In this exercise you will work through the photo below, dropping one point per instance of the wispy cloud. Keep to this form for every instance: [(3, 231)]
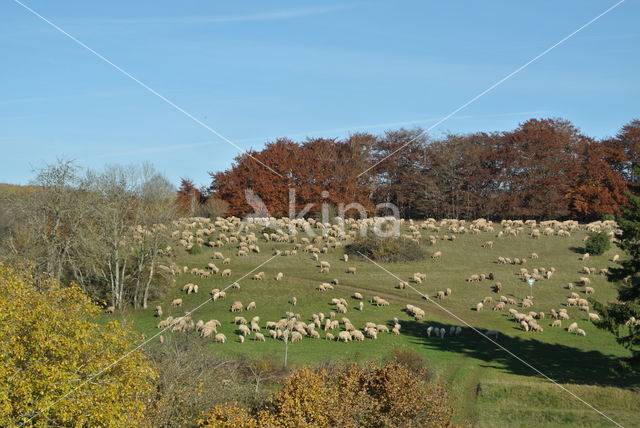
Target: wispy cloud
[(276, 15), (387, 125), (158, 149)]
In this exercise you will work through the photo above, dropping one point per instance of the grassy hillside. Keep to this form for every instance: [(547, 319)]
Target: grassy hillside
[(490, 386)]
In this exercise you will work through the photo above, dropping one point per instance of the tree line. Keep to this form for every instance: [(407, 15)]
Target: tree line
[(543, 169), (106, 231)]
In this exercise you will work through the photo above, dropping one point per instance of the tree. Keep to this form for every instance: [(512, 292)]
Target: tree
[(106, 230), (537, 163), (190, 199), (55, 359), (346, 396), (600, 187), (622, 318)]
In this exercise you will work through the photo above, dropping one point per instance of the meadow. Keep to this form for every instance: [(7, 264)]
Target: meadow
[(490, 385)]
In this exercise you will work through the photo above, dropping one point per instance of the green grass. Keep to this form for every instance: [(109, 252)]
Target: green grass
[(490, 386)]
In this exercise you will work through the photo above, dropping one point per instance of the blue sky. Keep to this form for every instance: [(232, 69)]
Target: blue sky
[(257, 70)]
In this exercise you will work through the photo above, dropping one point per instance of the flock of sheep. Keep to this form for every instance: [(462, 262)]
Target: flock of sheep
[(321, 238)]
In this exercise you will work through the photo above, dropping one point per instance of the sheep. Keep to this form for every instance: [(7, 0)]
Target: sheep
[(358, 296), (396, 329), (615, 258), (572, 327), (458, 330), (176, 302), (488, 244), (442, 333), (581, 332), (524, 325), (239, 320), (220, 337), (479, 307), (487, 299), (440, 295), (226, 272), (361, 306), (437, 255), (244, 330), (259, 337), (110, 309), (585, 257), (429, 330), (556, 323), (235, 285), (594, 317), (344, 336), (293, 301), (346, 258), (258, 277), (499, 306), (473, 278), (534, 256), (279, 276), (351, 270), (589, 290), (251, 306), (241, 338), (490, 333), (236, 307), (226, 261), (329, 336), (158, 312), (218, 255)]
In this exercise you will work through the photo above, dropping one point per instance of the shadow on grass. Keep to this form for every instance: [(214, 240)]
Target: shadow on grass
[(561, 363)]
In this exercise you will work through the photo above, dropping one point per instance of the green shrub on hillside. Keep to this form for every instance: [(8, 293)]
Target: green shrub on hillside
[(196, 249), (598, 243), (387, 250)]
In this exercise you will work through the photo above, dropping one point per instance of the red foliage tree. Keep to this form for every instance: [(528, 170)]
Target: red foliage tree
[(189, 198)]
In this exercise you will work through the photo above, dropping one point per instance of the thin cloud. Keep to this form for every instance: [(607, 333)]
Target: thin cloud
[(358, 128), (255, 17), (158, 149)]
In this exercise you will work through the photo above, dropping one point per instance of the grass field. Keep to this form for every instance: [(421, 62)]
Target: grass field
[(490, 386)]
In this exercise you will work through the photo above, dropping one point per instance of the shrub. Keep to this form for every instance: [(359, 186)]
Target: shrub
[(269, 230), (195, 249), (346, 396), (387, 250), (597, 243), (54, 357)]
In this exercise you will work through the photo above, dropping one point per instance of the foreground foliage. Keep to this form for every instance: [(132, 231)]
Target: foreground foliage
[(349, 396), (622, 317), (53, 355)]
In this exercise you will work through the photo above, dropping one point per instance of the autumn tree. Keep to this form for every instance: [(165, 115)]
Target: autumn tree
[(600, 188), (56, 360), (307, 169), (189, 198), (537, 162), (346, 396)]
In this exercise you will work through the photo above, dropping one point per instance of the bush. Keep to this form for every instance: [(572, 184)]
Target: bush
[(387, 250), (346, 396), (195, 249), (269, 230), (597, 243)]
